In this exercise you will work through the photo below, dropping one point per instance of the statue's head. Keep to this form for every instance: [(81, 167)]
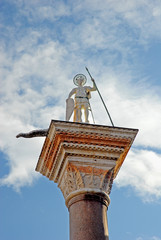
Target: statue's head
[(80, 80)]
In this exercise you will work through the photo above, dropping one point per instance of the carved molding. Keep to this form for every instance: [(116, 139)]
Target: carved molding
[(77, 179)]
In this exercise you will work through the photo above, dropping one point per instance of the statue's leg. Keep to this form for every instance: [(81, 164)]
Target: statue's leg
[(75, 119), (79, 119), (75, 115), (78, 112), (86, 113)]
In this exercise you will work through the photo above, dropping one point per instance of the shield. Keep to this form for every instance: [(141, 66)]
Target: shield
[(69, 108)]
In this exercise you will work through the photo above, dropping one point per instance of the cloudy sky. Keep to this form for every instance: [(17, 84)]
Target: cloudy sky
[(43, 45)]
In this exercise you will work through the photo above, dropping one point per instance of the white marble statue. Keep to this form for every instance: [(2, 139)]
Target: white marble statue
[(80, 102), (81, 99)]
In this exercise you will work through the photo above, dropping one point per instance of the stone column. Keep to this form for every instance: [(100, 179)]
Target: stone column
[(84, 159), (88, 217)]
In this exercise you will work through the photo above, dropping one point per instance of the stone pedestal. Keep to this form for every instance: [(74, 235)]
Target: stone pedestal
[(84, 159)]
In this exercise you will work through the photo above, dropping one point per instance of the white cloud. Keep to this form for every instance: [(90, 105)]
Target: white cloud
[(28, 102), (148, 238), (142, 18), (42, 10), (130, 106), (155, 238), (21, 155), (141, 170)]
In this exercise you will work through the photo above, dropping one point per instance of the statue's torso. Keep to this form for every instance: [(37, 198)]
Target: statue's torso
[(81, 92)]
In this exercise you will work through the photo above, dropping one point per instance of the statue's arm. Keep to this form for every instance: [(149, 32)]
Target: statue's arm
[(94, 86), (90, 89), (34, 133), (72, 92)]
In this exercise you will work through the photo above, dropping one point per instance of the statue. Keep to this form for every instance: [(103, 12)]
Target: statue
[(82, 96), (81, 99), (81, 102)]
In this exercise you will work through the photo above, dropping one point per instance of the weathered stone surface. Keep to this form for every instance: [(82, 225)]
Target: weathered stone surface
[(83, 157)]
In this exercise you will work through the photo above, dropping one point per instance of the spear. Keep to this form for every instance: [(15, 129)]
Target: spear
[(100, 96)]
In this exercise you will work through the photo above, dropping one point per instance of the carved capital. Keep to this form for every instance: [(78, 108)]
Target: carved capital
[(85, 179), (84, 158)]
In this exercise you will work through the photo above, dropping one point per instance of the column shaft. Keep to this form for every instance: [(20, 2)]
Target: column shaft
[(88, 218)]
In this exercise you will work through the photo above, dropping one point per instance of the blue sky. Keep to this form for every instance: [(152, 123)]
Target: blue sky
[(43, 45)]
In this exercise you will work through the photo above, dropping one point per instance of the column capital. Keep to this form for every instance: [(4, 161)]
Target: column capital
[(84, 158)]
